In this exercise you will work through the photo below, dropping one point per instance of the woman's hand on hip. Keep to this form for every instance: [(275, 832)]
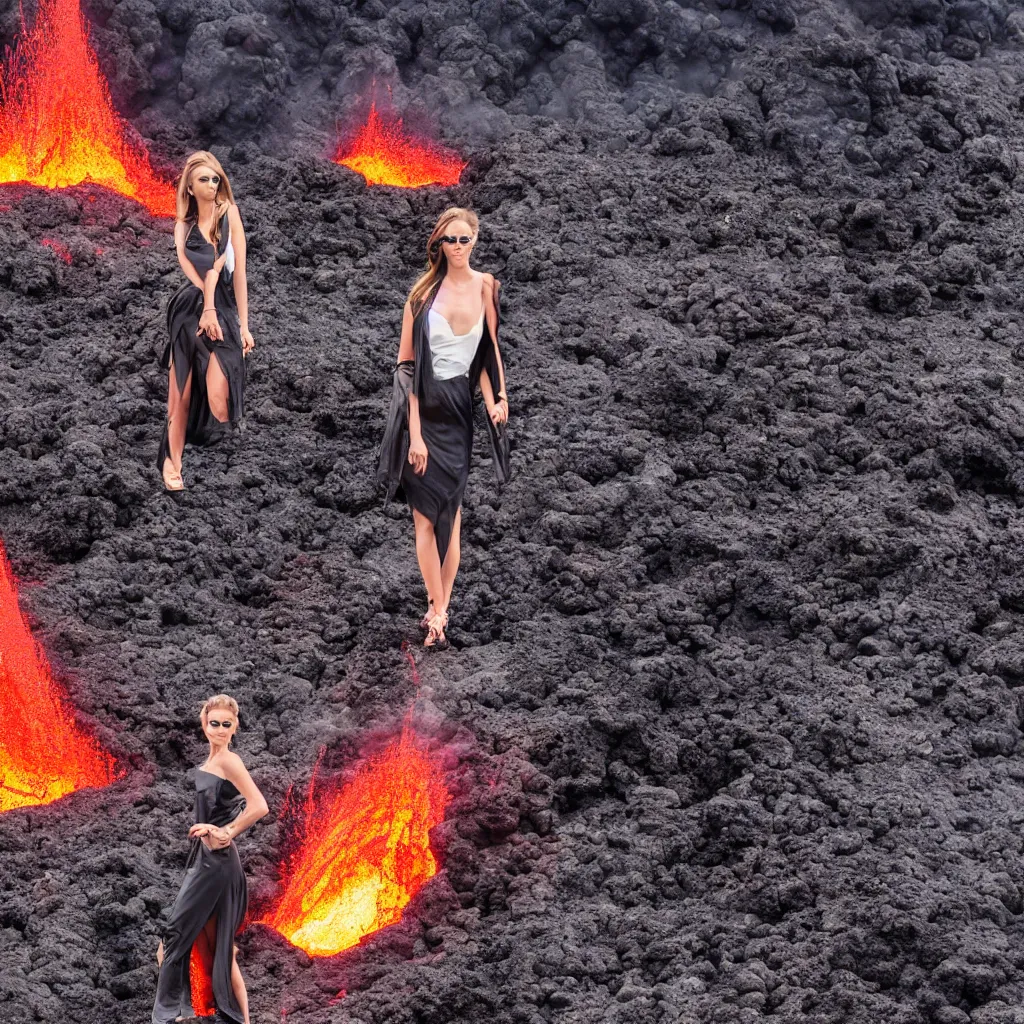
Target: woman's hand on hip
[(219, 838), (214, 837), (418, 456)]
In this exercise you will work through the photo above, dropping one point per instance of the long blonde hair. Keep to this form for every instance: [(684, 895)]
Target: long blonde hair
[(188, 208), (437, 262)]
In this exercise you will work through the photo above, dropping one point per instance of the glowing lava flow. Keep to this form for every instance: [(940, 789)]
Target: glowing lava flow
[(365, 851), (59, 249), (43, 754), (384, 154), (200, 973), (57, 123)]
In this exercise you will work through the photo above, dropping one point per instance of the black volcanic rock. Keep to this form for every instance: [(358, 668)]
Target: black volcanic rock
[(731, 719)]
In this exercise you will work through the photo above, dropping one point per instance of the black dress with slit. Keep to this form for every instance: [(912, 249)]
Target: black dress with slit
[(214, 887), (190, 353), (446, 423)]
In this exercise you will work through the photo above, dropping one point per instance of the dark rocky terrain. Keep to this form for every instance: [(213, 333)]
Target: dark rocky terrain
[(733, 719)]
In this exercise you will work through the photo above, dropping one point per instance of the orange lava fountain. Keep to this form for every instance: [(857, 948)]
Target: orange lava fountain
[(57, 123), (43, 753), (364, 852), (384, 154)]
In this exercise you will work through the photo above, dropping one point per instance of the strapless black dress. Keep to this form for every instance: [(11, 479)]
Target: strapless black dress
[(190, 353), (214, 887)]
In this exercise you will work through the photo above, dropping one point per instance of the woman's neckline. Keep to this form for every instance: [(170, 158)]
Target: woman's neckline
[(199, 231), (195, 224), (465, 334), (206, 771)]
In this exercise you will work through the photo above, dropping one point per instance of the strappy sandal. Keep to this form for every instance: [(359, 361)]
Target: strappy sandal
[(436, 640), (172, 482)]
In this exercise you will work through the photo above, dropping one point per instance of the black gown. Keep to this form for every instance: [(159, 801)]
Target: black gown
[(191, 353), (446, 423), (214, 885)]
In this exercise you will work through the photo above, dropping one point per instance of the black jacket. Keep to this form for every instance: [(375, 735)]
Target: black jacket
[(416, 377)]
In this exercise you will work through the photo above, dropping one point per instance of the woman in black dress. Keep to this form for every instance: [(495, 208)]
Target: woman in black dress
[(207, 318), (210, 905), (449, 346)]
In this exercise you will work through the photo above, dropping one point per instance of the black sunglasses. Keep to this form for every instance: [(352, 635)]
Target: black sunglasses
[(213, 724), (451, 240)]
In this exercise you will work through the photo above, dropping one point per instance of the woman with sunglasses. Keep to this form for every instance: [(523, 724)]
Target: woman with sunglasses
[(449, 347), (200, 935), (207, 318)]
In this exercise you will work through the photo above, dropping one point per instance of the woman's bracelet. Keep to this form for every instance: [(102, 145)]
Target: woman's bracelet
[(209, 309)]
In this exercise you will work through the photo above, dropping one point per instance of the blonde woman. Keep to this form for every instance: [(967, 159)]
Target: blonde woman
[(449, 347), (207, 318), (210, 905)]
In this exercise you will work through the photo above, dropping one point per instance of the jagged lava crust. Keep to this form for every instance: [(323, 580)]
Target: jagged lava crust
[(732, 719)]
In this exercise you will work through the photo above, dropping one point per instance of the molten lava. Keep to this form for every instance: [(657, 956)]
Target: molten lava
[(57, 123), (364, 851), (200, 978), (43, 753), (384, 154), (59, 249)]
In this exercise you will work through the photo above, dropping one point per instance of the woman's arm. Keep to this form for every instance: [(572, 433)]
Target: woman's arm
[(406, 353), (240, 281), (405, 350), (255, 806), (180, 233), (208, 322), (497, 407)]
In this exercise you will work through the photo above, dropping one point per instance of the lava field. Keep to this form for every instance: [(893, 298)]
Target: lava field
[(731, 726)]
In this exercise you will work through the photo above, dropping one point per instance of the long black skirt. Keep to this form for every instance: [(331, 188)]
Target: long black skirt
[(214, 886), (190, 353), (447, 428)]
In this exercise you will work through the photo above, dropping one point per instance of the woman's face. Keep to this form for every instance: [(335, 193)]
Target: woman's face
[(457, 251), (204, 182), (220, 726)]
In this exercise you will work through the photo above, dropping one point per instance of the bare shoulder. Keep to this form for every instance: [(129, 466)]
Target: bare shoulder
[(232, 764), (491, 285)]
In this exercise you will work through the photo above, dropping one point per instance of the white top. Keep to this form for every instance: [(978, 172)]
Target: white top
[(452, 354)]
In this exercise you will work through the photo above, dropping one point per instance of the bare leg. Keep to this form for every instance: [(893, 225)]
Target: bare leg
[(217, 390), (426, 555), (238, 986), (208, 936), (177, 420), (451, 561)]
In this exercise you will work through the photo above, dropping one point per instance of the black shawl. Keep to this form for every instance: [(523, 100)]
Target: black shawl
[(416, 376)]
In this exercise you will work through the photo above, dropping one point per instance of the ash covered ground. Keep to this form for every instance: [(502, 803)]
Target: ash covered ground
[(732, 719)]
